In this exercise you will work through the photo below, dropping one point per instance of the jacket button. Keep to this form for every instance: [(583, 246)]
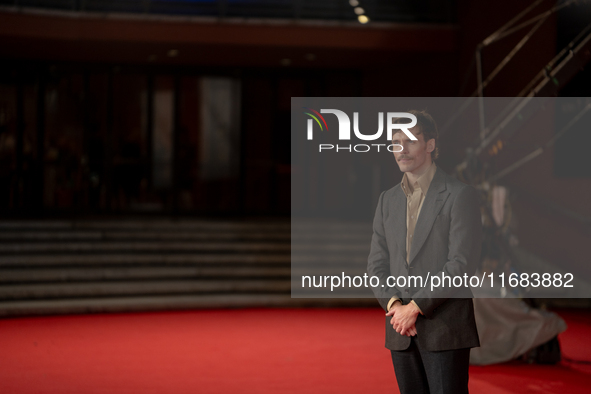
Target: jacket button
[(407, 291)]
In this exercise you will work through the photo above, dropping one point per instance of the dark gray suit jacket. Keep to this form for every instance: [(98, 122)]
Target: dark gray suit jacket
[(447, 238)]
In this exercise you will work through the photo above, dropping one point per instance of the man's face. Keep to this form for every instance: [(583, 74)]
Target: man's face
[(414, 156)]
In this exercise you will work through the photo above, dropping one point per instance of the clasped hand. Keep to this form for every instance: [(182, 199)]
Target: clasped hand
[(403, 318)]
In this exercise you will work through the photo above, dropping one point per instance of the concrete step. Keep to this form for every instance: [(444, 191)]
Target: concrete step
[(134, 288), (147, 224), (66, 274), (110, 247), (114, 235), (186, 224), (178, 235), (52, 267), (158, 258), (297, 227), (175, 246)]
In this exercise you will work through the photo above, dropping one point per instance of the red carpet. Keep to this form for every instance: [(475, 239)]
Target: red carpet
[(246, 351)]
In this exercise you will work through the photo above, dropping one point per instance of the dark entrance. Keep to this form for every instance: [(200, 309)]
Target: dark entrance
[(96, 139)]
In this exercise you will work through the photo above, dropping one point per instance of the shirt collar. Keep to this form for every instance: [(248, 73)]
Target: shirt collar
[(424, 180)]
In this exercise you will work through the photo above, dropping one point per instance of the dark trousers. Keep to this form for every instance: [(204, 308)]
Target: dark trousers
[(419, 371)]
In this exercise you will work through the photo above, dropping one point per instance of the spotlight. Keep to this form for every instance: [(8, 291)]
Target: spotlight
[(363, 19), (359, 10)]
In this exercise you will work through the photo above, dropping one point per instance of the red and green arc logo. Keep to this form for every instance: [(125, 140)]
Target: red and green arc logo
[(315, 118)]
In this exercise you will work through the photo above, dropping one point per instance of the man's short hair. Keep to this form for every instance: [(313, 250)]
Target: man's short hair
[(428, 127)]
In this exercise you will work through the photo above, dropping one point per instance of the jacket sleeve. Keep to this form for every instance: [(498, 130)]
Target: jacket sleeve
[(465, 239), (378, 261)]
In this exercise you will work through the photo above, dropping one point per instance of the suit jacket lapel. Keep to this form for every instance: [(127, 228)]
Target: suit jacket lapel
[(434, 200), (398, 214)]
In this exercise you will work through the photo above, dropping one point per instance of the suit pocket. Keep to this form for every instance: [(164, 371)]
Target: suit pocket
[(442, 220), (440, 233)]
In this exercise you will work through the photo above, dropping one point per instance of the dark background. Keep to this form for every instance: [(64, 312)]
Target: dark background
[(84, 85)]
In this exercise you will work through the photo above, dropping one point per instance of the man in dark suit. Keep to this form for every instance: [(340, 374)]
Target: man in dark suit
[(429, 224)]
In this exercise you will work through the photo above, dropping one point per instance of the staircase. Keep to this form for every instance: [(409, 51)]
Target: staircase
[(56, 267)]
